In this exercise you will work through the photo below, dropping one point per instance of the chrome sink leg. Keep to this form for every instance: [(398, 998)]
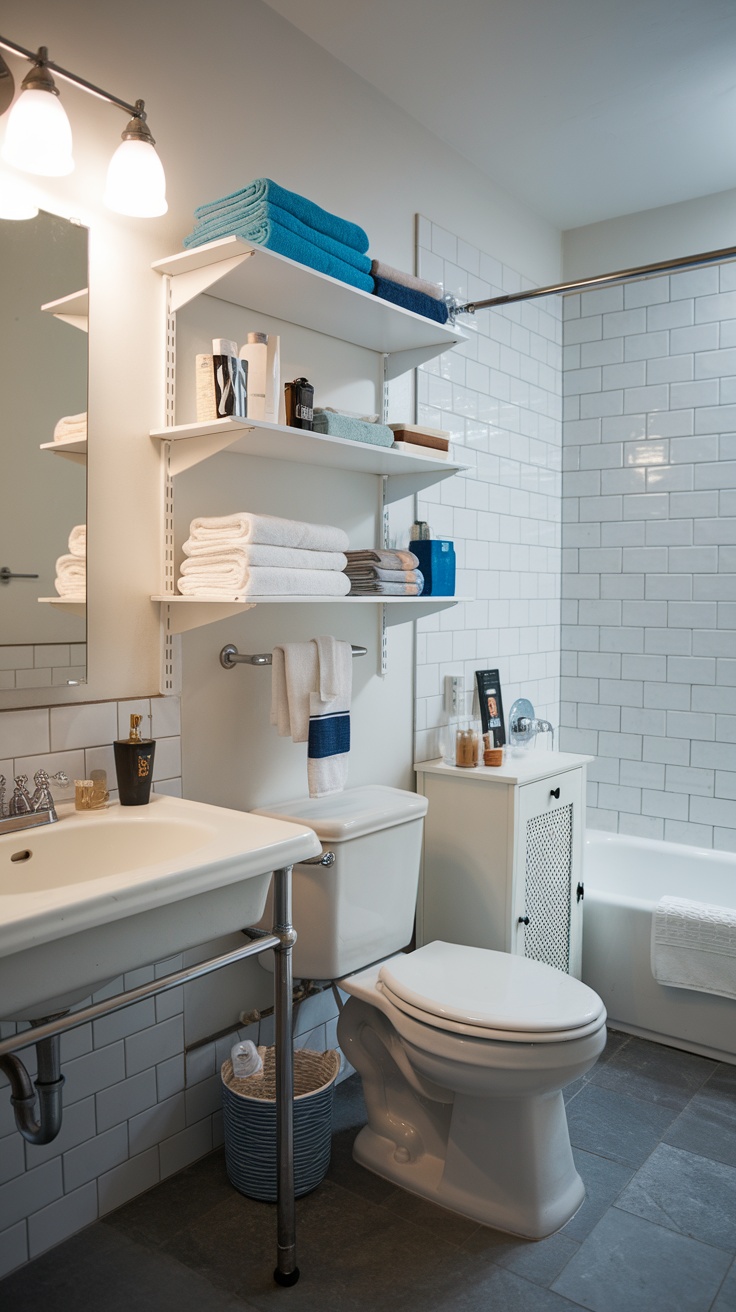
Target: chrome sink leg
[(287, 1271)]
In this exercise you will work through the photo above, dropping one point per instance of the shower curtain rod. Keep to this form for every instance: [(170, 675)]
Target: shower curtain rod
[(603, 279)]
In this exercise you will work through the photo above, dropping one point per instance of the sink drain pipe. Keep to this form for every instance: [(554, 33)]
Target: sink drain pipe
[(49, 1083)]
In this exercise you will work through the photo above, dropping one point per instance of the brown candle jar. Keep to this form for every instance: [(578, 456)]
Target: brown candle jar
[(466, 747)]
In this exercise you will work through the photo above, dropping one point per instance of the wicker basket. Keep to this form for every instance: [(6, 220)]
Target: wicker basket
[(249, 1108)]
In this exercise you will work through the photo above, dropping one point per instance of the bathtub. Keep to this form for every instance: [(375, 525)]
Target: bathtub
[(624, 879)]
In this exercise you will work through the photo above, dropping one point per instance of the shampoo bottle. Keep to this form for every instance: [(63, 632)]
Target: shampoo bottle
[(134, 765)]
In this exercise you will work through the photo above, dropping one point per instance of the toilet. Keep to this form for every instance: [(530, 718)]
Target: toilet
[(463, 1052)]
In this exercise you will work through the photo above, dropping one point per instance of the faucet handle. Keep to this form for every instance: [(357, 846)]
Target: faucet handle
[(20, 802)]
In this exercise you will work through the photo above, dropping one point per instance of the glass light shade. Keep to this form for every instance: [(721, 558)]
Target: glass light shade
[(38, 138), (136, 184), (16, 201)]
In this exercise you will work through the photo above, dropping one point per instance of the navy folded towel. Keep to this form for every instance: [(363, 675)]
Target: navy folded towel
[(254, 218), (411, 299), (264, 190)]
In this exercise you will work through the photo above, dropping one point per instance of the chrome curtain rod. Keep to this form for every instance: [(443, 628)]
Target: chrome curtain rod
[(603, 279), (230, 656)]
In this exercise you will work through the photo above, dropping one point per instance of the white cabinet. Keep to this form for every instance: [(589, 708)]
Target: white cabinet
[(503, 852), (250, 276)]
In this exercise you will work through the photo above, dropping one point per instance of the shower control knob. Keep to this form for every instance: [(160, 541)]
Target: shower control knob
[(523, 920)]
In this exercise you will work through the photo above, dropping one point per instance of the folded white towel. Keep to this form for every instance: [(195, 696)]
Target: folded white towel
[(232, 569), (71, 578), (693, 946), (236, 530), (262, 581), (329, 719), (78, 540), (71, 426), (294, 676), (256, 553)]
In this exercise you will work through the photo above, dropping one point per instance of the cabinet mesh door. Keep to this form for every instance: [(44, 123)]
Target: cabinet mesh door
[(547, 886)]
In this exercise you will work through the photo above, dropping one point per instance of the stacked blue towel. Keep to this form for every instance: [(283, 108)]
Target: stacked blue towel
[(283, 221), (353, 430), (411, 299)]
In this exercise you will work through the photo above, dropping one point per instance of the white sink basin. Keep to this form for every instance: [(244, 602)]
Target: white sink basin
[(103, 892)]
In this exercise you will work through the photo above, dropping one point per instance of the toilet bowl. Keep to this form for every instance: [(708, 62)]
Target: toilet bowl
[(463, 1052)]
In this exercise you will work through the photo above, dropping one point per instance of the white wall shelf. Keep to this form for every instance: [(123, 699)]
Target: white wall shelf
[(253, 276), (73, 309), (74, 607), (242, 274), (192, 443), (187, 613), (72, 448)]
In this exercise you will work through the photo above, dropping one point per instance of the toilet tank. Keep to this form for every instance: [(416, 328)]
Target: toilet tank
[(360, 909)]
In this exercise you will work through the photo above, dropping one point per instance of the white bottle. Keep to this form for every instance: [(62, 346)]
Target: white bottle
[(263, 352)]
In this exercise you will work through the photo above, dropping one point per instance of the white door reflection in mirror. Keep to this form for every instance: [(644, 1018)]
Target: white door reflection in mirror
[(43, 452)]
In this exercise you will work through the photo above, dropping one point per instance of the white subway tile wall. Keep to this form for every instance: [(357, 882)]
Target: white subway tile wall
[(499, 394), (131, 1114), (649, 554), (43, 665)]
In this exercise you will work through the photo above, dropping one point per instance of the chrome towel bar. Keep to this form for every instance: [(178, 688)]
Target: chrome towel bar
[(230, 656)]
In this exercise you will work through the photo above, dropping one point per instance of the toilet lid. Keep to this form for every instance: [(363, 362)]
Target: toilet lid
[(476, 990)]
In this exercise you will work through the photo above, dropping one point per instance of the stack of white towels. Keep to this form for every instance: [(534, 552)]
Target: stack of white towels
[(245, 555), (71, 427), (71, 570)]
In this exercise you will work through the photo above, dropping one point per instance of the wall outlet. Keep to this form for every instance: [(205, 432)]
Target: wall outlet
[(454, 694)]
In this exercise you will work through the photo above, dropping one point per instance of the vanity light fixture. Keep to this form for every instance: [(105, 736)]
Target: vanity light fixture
[(38, 137)]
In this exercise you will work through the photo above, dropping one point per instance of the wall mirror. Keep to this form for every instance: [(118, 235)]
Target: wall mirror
[(43, 457)]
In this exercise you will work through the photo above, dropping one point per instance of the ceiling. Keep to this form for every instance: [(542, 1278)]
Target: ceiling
[(584, 109)]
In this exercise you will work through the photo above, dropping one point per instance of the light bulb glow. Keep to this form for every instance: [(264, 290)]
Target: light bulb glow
[(136, 184), (38, 138), (16, 200)]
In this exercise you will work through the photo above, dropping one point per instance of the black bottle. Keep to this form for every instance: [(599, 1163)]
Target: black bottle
[(299, 401), (134, 765)]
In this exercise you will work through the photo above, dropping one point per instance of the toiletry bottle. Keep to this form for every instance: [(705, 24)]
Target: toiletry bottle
[(262, 352), (134, 765), (299, 397)]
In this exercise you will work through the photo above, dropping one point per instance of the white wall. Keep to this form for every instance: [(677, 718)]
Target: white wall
[(233, 93)]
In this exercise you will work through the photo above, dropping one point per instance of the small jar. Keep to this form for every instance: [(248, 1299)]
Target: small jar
[(466, 746)]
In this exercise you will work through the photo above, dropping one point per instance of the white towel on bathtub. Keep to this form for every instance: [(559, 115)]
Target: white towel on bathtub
[(694, 946)]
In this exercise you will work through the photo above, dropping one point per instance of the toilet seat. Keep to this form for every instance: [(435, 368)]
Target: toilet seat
[(490, 995)]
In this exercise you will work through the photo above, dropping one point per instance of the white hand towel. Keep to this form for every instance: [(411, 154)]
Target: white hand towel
[(256, 553), (231, 580), (71, 578), (694, 946), (71, 426), (78, 540), (236, 530), (294, 675), (329, 719)]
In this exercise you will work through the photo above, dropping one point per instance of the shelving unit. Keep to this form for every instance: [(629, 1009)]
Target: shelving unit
[(73, 309), (74, 607), (72, 448), (242, 274)]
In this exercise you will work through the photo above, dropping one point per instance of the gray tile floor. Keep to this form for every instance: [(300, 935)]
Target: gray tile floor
[(654, 1133)]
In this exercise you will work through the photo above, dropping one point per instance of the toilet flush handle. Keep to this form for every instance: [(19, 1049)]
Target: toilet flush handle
[(325, 859)]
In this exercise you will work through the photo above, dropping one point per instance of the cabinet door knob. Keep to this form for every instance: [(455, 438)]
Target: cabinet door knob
[(580, 892), (523, 920), (554, 792)]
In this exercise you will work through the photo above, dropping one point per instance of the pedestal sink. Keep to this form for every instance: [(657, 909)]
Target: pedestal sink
[(103, 892)]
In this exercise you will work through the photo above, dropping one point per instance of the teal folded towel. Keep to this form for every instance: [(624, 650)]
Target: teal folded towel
[(284, 242), (253, 218), (411, 300), (355, 430), (263, 189)]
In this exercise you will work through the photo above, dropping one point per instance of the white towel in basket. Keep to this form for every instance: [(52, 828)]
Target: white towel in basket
[(694, 946)]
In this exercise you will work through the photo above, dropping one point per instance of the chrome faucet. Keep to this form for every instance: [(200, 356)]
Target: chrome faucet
[(524, 725), (26, 811)]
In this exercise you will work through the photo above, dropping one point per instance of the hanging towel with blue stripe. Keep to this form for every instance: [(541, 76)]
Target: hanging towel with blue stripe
[(328, 744)]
